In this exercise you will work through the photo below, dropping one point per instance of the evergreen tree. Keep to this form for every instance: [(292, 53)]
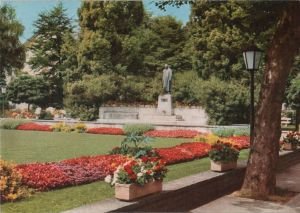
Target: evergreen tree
[(12, 52), (51, 27)]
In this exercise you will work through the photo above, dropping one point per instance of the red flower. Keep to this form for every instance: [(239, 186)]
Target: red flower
[(34, 127), (180, 133), (106, 130)]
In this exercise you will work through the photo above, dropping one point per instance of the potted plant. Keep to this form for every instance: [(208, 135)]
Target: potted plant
[(137, 178), (291, 140), (223, 156)]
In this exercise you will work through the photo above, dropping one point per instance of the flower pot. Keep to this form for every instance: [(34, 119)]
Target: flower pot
[(289, 146), (222, 166), (128, 192)]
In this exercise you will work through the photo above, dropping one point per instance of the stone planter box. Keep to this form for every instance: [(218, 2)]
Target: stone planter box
[(222, 166), (128, 192), (289, 146)]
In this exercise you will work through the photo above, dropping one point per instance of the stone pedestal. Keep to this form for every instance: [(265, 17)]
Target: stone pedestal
[(165, 105)]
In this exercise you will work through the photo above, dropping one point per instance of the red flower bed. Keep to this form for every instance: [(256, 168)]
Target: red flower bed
[(106, 130), (44, 176), (34, 127), (179, 133), (183, 152)]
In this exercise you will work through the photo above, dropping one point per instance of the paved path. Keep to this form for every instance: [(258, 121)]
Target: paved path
[(288, 179)]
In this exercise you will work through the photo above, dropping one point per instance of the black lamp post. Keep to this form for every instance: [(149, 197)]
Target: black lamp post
[(252, 58), (3, 91)]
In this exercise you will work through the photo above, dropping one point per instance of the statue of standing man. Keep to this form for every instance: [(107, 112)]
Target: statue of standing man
[(167, 77)]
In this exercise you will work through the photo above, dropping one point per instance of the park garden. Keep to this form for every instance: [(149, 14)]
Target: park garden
[(113, 54)]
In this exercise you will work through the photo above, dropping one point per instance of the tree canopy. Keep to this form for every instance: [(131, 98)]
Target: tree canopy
[(48, 58), (12, 52), (29, 89)]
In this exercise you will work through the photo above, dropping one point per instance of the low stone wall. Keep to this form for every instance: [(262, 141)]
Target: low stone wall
[(194, 115), (189, 192)]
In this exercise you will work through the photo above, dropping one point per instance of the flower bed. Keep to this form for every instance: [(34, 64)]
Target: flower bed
[(179, 133), (34, 127), (183, 152), (45, 176), (106, 130), (240, 142)]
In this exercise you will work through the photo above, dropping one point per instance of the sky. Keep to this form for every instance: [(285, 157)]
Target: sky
[(27, 11)]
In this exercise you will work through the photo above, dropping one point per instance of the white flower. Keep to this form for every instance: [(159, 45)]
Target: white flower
[(108, 179), (140, 174)]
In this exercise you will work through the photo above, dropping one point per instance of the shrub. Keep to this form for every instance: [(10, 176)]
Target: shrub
[(11, 123), (223, 152), (84, 113), (135, 145), (209, 138), (243, 131), (137, 129), (80, 127), (46, 115), (62, 127), (11, 187), (225, 102), (223, 132)]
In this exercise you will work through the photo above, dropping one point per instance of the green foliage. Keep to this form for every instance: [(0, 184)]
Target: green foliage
[(231, 131), (293, 93), (47, 45), (223, 132), (187, 88), (84, 113), (11, 123), (137, 129), (225, 102), (84, 97), (12, 51), (219, 33), (104, 28), (91, 90), (136, 146), (223, 152), (28, 89), (45, 115)]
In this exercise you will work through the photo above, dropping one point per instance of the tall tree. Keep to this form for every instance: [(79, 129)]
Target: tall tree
[(51, 27), (220, 31), (260, 178), (104, 25), (12, 52)]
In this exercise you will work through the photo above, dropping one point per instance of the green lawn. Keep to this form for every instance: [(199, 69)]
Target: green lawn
[(22, 146), (34, 146)]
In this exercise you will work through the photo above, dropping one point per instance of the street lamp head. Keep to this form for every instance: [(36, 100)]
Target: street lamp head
[(252, 58)]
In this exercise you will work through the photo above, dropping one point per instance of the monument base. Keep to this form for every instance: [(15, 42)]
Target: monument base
[(165, 105)]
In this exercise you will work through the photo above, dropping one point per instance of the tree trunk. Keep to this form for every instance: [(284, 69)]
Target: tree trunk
[(260, 179)]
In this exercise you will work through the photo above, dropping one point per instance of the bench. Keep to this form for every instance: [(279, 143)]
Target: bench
[(285, 121)]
